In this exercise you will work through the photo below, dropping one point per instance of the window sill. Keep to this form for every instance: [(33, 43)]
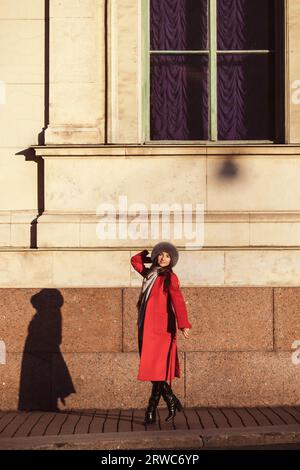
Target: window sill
[(209, 142), (158, 150)]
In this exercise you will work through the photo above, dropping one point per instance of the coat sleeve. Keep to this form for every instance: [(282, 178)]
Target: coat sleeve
[(178, 303), (137, 261)]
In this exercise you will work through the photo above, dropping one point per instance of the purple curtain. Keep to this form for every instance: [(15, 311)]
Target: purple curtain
[(179, 97), (245, 82), (245, 97), (179, 83), (178, 25), (245, 24)]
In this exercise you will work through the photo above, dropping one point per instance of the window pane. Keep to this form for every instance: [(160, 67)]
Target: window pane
[(245, 97), (178, 25), (245, 24), (179, 99)]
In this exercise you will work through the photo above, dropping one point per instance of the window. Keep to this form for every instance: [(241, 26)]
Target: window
[(213, 70)]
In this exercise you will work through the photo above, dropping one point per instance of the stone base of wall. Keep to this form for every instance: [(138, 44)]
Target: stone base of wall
[(81, 345)]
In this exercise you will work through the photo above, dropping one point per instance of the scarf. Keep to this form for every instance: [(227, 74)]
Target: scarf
[(147, 285)]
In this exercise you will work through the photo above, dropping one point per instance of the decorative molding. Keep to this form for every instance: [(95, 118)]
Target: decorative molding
[(222, 151)]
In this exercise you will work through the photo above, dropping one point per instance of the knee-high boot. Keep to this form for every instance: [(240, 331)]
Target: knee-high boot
[(150, 415), (172, 401)]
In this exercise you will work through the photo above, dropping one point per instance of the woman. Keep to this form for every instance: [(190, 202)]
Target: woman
[(160, 305)]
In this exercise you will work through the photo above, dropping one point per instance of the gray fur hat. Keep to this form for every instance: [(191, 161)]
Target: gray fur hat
[(169, 248)]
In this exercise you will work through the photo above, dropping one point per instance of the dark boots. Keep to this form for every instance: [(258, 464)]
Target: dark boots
[(162, 389), (172, 401), (150, 416)]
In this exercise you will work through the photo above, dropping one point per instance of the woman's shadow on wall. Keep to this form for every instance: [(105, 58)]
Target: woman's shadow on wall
[(45, 378)]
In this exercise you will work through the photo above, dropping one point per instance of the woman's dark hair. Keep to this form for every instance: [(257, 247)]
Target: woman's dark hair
[(166, 270)]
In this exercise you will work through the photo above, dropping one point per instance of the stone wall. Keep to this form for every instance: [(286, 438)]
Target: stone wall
[(238, 352), (72, 78)]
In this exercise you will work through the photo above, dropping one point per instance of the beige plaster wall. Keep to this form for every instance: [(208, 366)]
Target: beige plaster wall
[(124, 71), (251, 195), (62, 267), (77, 72), (21, 99)]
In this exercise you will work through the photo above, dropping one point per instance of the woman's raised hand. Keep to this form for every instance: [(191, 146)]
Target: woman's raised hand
[(145, 257), (185, 332)]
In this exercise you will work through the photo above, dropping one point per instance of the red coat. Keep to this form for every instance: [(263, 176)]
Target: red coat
[(159, 357)]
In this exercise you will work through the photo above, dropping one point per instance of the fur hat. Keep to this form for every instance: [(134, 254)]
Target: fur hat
[(169, 248)]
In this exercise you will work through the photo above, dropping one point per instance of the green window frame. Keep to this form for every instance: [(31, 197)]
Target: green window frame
[(212, 53)]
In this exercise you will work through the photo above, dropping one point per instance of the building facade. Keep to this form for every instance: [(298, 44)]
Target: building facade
[(168, 102)]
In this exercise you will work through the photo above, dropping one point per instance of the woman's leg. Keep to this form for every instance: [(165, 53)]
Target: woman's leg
[(172, 401), (150, 415)]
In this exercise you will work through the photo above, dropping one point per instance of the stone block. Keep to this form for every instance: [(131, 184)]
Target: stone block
[(241, 379)]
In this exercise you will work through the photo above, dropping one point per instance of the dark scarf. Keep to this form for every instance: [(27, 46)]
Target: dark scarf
[(147, 285), (149, 279)]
